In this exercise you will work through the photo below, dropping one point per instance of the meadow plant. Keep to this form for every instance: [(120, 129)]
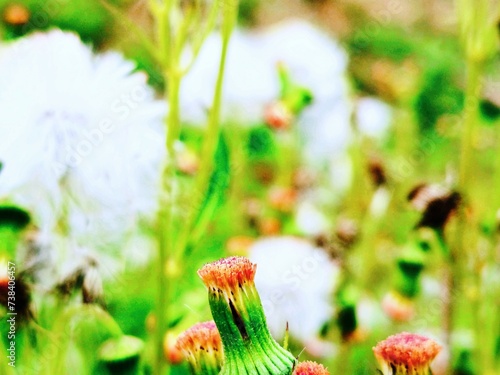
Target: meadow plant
[(353, 199)]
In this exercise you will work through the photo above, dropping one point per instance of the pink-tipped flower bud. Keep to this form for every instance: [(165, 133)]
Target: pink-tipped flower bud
[(406, 354), (202, 347), (237, 310), (398, 307), (310, 368), (278, 116)]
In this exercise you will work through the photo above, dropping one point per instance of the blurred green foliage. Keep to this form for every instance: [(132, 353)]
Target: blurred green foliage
[(88, 18)]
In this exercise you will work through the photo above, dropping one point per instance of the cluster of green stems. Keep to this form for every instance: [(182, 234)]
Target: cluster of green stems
[(180, 28), (477, 21)]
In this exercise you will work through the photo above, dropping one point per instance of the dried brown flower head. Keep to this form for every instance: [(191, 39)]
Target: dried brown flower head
[(435, 202)]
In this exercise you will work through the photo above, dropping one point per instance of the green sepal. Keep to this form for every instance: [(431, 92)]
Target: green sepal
[(294, 96), (248, 345), (410, 264), (346, 300), (121, 355)]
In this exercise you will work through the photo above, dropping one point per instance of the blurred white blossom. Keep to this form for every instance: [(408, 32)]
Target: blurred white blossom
[(373, 116), (315, 60), (296, 281), (82, 139), (310, 220)]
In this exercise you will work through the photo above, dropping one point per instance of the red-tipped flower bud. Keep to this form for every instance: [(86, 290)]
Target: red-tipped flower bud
[(16, 14), (238, 313), (201, 346), (406, 353), (310, 368), (282, 199), (398, 307), (278, 116)]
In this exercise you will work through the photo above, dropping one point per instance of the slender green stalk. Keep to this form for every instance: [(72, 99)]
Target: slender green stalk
[(480, 41), (166, 200), (172, 37), (212, 134), (466, 242), (163, 291), (469, 131), (165, 228), (479, 38), (238, 154), (355, 201), (127, 23)]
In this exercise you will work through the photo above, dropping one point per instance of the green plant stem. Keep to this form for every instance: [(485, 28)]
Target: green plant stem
[(465, 245), (165, 229), (238, 155), (210, 143), (469, 125), (169, 247), (167, 200), (163, 285), (128, 24), (355, 200)]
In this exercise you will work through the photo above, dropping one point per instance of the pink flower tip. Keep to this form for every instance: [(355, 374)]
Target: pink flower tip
[(200, 337), (228, 272), (310, 368), (408, 349)]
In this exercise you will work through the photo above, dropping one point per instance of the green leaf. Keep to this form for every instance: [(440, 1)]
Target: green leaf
[(216, 192)]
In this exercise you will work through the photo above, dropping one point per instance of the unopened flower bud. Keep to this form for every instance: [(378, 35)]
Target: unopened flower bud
[(202, 347), (398, 307), (269, 226), (410, 264), (293, 95), (347, 321), (121, 354), (406, 354), (278, 116), (170, 349), (187, 161), (14, 216), (16, 14), (310, 368), (282, 199), (12, 221), (237, 310)]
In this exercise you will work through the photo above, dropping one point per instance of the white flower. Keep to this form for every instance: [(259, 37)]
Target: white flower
[(314, 60), (251, 80), (82, 138), (295, 281), (373, 116), (310, 220), (380, 202)]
